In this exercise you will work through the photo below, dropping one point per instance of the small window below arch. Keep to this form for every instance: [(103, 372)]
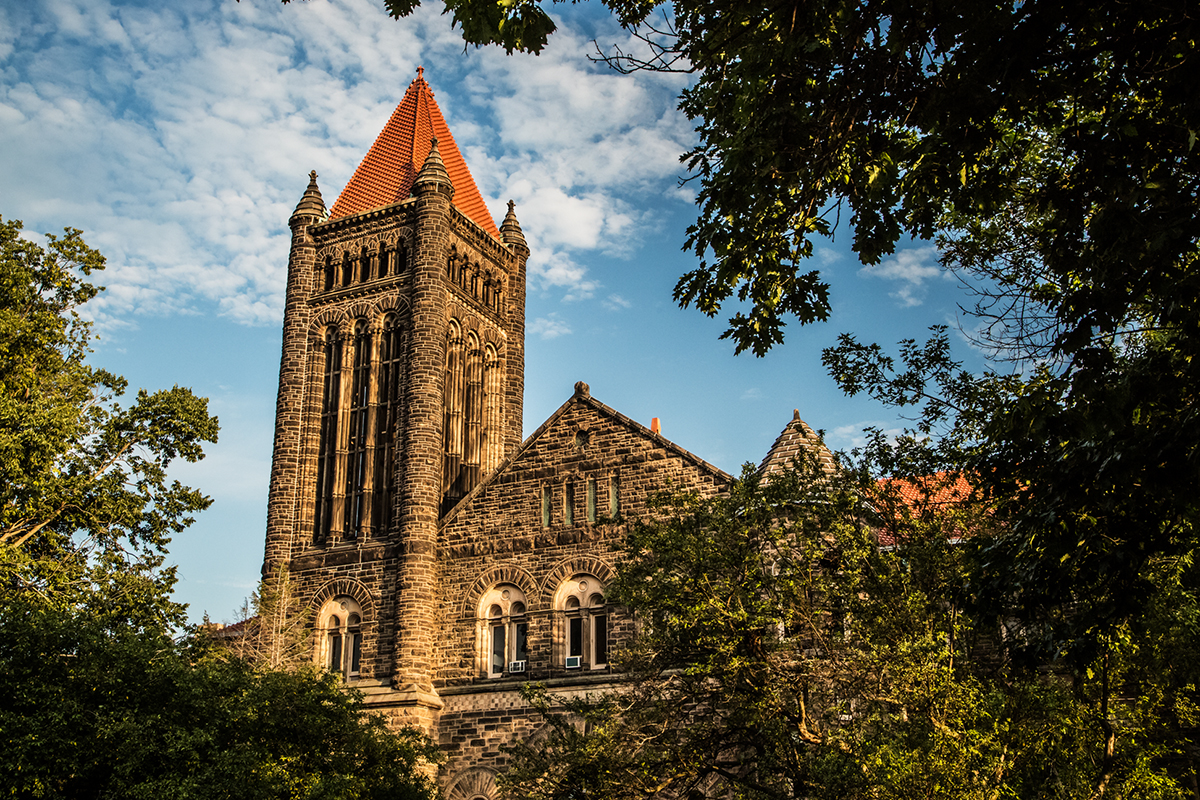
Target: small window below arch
[(340, 647), (504, 631), (584, 614)]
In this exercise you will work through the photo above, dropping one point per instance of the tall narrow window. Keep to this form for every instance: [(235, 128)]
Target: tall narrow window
[(365, 269), (614, 497), (347, 268), (387, 418), (356, 447), (499, 641), (599, 630), (547, 505), (569, 503), (327, 446), (473, 418), (329, 276), (454, 397), (591, 500)]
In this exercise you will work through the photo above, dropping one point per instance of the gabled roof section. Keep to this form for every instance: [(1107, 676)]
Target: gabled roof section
[(583, 397), (386, 174), (795, 439)]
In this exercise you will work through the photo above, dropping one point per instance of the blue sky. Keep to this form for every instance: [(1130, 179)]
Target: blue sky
[(179, 137)]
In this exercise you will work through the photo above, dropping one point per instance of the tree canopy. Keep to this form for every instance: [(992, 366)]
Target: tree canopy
[(102, 693), (808, 636)]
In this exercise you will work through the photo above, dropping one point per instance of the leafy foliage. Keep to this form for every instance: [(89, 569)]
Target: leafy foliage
[(84, 492), (98, 698), (89, 709), (786, 654)]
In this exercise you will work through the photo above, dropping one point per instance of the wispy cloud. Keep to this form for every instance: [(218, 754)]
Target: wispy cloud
[(615, 302), (911, 269), (180, 137), (752, 393), (550, 326)]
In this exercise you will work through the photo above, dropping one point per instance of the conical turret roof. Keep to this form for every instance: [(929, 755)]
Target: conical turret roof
[(387, 173)]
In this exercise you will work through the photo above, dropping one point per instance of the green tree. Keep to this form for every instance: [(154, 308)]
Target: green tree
[(100, 696), (85, 499), (785, 653), (91, 709)]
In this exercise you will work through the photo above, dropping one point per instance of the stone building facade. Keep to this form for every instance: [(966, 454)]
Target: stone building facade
[(446, 561)]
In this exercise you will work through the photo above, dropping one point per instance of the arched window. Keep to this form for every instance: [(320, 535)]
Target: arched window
[(584, 622), (340, 651), (365, 266), (385, 260), (387, 418), (473, 407), (401, 259), (504, 631), (356, 444), (327, 445), (329, 273), (493, 398)]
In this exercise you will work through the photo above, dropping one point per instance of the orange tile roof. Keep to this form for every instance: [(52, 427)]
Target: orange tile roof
[(386, 174)]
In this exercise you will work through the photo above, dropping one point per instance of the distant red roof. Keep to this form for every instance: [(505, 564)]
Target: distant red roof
[(921, 494), (386, 174)]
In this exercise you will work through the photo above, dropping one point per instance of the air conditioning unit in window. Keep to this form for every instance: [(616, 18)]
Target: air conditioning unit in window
[(516, 666), (574, 662)]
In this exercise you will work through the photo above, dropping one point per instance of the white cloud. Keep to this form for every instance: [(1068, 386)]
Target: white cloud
[(551, 326), (911, 268), (180, 138), (847, 437), (752, 393), (615, 302)]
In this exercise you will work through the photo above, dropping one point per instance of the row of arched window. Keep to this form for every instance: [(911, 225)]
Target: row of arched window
[(593, 501), (369, 263), (578, 628), (361, 388), (577, 631), (485, 285), (473, 442)]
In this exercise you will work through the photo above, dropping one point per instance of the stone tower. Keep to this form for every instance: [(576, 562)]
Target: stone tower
[(401, 385)]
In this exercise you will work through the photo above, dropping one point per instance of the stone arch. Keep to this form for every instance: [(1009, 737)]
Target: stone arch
[(325, 318), (574, 565), (503, 573), (471, 784), (361, 309), (346, 587)]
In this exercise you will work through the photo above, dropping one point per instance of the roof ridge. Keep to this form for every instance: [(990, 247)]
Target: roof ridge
[(387, 172)]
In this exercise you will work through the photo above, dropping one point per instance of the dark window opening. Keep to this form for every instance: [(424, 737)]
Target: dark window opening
[(327, 446)]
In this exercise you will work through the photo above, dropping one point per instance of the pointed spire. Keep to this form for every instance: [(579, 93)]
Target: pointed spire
[(311, 203), (510, 230), (433, 173), (387, 172)]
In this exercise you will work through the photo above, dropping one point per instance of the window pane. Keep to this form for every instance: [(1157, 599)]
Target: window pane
[(591, 500), (547, 504), (335, 651), (600, 640), (569, 504), (355, 652), (519, 651), (575, 636), (498, 664)]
